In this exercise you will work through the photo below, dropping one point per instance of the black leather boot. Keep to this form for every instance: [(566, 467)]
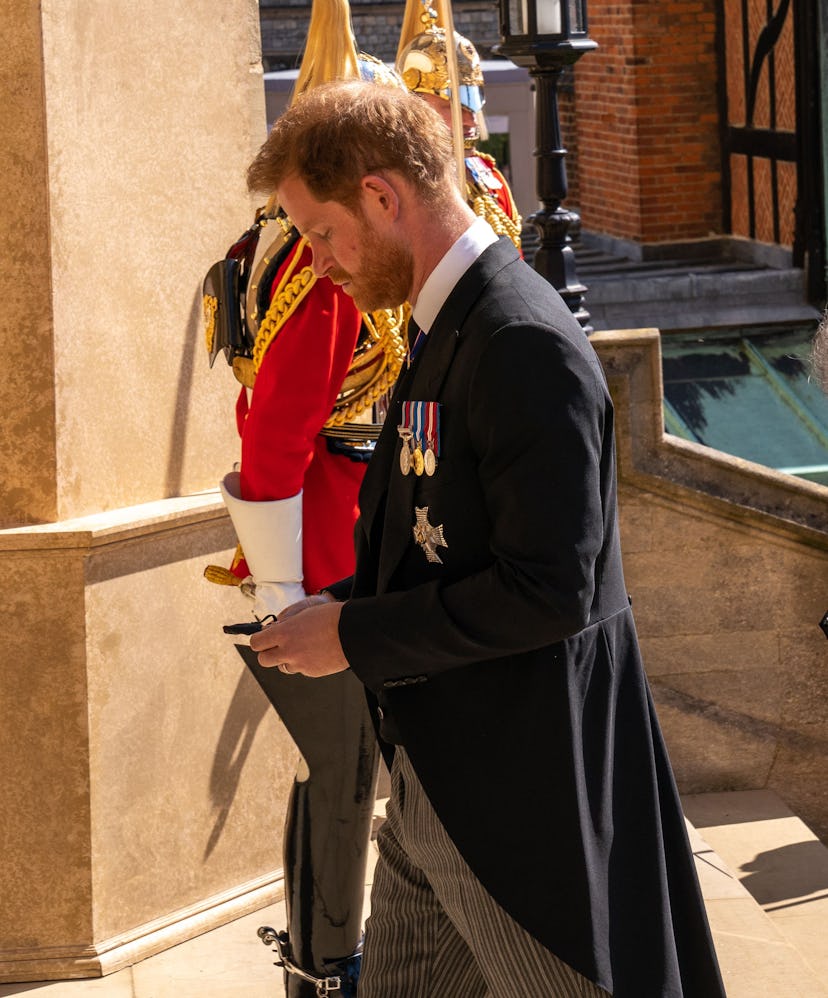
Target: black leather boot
[(327, 827)]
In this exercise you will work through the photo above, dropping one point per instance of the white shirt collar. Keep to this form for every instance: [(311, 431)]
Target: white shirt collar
[(441, 281)]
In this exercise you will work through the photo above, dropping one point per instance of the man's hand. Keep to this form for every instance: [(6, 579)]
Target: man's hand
[(303, 604), (304, 640)]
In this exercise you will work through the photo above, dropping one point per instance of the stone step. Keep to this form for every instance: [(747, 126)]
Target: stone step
[(701, 297), (676, 283), (764, 877), (771, 943), (699, 291)]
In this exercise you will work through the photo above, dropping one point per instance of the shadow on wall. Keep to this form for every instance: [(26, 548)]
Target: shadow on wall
[(184, 389), (235, 740)]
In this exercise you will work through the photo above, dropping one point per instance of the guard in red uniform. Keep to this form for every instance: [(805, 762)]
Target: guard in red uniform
[(315, 373), (316, 370), (424, 67)]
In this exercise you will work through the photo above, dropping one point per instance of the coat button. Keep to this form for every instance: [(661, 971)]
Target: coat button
[(380, 714)]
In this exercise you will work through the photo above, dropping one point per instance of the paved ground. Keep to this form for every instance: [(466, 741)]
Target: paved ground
[(763, 874)]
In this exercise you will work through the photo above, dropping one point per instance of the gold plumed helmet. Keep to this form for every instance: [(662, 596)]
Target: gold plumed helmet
[(423, 64), (423, 67), (331, 51), (375, 71)]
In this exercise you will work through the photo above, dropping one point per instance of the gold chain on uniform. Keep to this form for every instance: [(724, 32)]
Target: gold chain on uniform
[(286, 299), (385, 328), (485, 206), (483, 203)]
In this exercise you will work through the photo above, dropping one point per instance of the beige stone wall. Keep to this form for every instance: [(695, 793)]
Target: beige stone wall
[(728, 617), (727, 565), (145, 775), (123, 182), (189, 765), (44, 795), (27, 431)]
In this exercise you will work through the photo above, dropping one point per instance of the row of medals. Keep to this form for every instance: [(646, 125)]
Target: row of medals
[(412, 457)]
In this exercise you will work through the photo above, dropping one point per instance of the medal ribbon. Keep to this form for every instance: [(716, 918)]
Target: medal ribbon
[(423, 419), (417, 412), (432, 426)]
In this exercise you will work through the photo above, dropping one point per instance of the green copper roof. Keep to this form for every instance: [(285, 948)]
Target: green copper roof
[(747, 392)]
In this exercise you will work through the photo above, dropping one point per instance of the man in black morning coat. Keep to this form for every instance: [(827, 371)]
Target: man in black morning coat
[(488, 617)]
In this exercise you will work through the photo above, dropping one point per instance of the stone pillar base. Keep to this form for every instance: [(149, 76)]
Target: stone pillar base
[(145, 774), (46, 963)]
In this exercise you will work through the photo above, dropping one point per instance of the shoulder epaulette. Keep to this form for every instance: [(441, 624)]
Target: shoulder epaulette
[(293, 286)]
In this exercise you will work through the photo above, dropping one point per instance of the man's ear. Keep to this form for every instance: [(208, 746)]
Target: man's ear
[(380, 199)]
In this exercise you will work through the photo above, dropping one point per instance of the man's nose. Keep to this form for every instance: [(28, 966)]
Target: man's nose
[(321, 260)]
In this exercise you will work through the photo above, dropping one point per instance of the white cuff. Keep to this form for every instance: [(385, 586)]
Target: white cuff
[(270, 534)]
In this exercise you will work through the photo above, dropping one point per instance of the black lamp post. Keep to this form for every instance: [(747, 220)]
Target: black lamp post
[(545, 36)]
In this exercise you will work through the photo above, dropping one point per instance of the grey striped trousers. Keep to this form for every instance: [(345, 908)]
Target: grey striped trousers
[(434, 931)]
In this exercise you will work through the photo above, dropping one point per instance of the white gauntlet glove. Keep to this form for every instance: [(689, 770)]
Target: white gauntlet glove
[(270, 534)]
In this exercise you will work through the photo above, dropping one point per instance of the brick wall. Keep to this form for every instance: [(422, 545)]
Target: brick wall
[(641, 126), (569, 134), (647, 120)]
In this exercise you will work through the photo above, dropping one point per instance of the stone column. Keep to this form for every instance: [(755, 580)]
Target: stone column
[(144, 775)]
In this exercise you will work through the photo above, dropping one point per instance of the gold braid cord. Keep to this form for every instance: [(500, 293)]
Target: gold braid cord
[(489, 208), (289, 294), (377, 359), (375, 367), (484, 204)]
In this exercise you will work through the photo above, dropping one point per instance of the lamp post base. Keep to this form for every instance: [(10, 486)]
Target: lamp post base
[(555, 259)]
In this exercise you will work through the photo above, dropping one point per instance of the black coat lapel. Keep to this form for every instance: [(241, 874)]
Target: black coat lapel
[(382, 464), (429, 375), (422, 383)]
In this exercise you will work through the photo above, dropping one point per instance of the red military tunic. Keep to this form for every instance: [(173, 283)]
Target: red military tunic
[(503, 194), (485, 182), (279, 422)]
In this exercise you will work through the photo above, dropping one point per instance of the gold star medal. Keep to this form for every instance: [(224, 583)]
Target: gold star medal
[(429, 538)]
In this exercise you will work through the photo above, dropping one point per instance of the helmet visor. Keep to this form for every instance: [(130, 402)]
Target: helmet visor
[(472, 98)]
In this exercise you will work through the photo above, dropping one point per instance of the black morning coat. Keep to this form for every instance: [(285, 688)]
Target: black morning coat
[(510, 670)]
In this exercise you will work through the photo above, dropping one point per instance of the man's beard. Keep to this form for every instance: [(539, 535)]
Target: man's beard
[(385, 276)]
